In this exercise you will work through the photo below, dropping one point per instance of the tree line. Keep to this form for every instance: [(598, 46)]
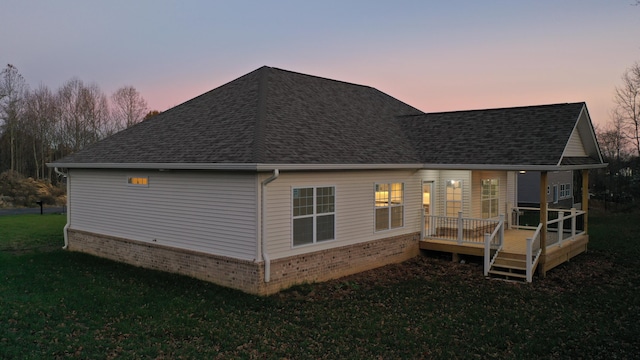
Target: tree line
[(41, 125), (619, 142)]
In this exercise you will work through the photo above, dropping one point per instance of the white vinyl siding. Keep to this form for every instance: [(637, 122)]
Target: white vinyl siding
[(210, 212), (575, 146), (354, 210)]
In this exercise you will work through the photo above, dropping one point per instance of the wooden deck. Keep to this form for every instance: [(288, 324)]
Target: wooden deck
[(515, 243)]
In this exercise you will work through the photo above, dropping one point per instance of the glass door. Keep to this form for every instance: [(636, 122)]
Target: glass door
[(427, 200)]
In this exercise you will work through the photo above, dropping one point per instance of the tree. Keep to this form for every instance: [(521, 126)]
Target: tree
[(128, 108), (612, 139), (84, 115), (41, 115), (151, 114), (12, 90), (627, 99)]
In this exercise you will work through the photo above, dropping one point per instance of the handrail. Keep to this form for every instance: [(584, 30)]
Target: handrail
[(462, 230), (529, 261), (554, 226), (488, 239)]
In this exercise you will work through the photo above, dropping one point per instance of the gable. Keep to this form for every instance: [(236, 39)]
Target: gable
[(575, 147), (509, 138), (582, 145)]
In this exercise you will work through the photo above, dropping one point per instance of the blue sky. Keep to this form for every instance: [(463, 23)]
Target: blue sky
[(434, 55)]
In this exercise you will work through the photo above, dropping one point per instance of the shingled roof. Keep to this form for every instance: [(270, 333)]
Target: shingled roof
[(522, 136), (273, 118)]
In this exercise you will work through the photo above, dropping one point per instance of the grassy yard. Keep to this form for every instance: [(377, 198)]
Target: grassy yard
[(58, 304)]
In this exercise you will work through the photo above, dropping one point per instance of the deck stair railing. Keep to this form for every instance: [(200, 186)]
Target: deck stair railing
[(488, 240), (463, 230), (533, 244)]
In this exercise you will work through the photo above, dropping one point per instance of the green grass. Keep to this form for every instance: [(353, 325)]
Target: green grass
[(60, 304), (20, 233)]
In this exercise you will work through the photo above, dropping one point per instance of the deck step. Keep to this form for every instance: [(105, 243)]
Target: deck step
[(521, 267), (509, 266), (507, 274), (513, 256), (513, 263)]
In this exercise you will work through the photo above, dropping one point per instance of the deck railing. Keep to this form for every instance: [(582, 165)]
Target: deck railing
[(562, 224), (533, 245), (498, 232), (463, 230)]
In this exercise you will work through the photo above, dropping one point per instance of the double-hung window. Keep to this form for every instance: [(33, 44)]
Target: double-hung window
[(490, 198), (389, 206), (314, 215)]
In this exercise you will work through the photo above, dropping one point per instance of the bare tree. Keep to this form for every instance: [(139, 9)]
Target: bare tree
[(41, 114), (84, 114), (12, 90), (627, 99), (128, 108)]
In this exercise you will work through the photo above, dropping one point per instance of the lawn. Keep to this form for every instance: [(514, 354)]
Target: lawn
[(58, 304)]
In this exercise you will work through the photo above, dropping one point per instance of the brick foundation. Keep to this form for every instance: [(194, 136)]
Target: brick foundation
[(247, 275)]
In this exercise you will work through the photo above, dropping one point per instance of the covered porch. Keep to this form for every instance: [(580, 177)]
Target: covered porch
[(513, 247)]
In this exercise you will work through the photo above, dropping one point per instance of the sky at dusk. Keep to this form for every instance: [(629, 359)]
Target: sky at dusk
[(433, 55)]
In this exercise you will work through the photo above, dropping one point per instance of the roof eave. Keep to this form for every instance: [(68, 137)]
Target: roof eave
[(316, 167), (233, 166), (512, 167)]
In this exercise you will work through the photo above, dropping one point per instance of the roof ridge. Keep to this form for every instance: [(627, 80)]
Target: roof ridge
[(322, 78), (260, 125), (498, 108)]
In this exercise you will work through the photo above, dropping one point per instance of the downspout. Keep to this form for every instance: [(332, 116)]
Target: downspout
[(65, 230), (265, 255)]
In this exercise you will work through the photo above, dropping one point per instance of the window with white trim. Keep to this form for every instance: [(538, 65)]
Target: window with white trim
[(314, 217), (565, 191), (389, 206), (490, 198), (453, 201)]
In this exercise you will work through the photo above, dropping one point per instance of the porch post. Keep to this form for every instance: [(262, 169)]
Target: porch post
[(585, 197), (543, 221), (460, 226)]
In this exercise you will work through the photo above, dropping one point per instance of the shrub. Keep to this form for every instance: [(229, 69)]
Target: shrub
[(17, 191)]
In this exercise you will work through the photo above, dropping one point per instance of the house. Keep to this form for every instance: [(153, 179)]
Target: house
[(279, 178), (559, 190)]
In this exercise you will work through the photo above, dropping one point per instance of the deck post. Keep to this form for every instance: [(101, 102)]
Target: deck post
[(573, 223), (424, 230), (529, 259), (487, 253), (560, 227), (543, 220), (501, 230), (585, 197), (460, 225)]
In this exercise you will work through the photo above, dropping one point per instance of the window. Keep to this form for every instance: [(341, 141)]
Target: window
[(313, 215), (453, 203), (389, 210), (138, 180), (565, 191), (490, 198)]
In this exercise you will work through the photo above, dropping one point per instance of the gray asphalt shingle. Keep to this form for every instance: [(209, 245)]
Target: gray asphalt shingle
[(274, 116)]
